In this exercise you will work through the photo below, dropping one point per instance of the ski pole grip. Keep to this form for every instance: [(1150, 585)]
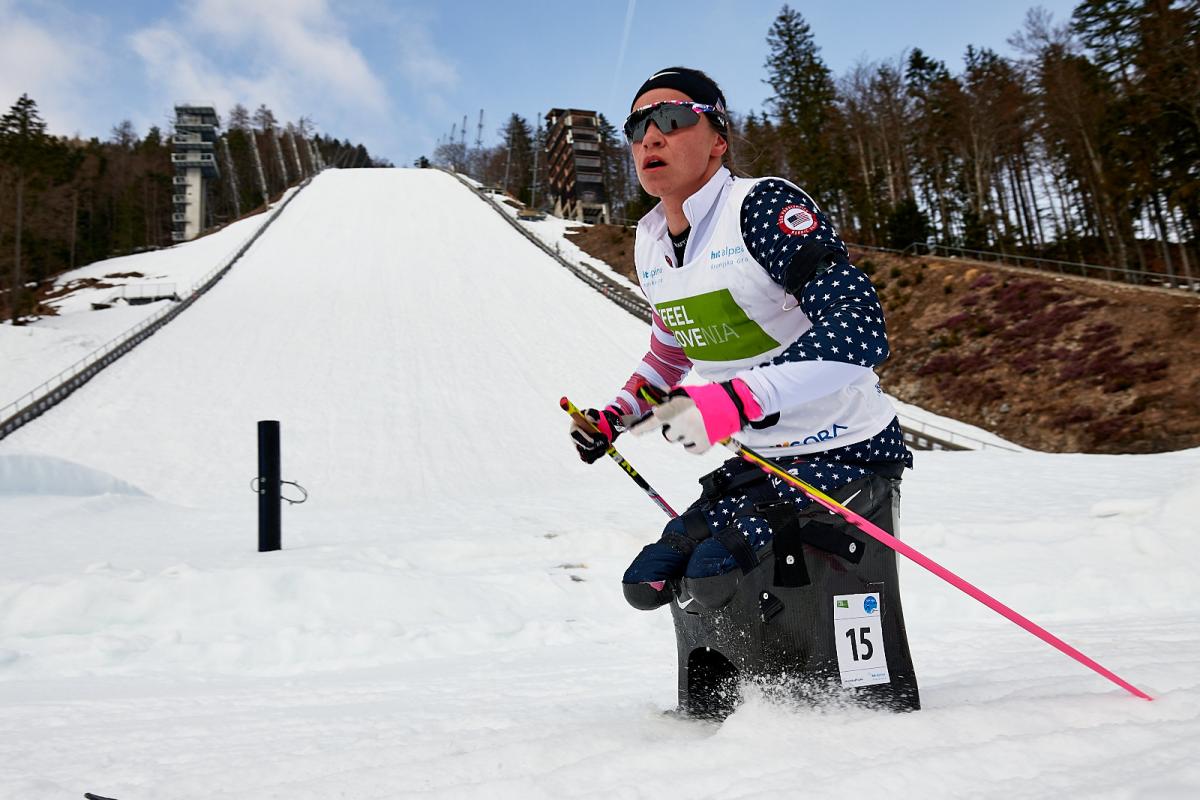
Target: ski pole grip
[(578, 416)]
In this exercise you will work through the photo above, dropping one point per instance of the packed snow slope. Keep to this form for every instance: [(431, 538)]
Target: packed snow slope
[(383, 323), (40, 350), (445, 619)]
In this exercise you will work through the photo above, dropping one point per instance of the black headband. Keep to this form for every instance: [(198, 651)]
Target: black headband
[(696, 85)]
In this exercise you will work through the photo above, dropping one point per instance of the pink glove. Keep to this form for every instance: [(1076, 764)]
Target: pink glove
[(700, 416)]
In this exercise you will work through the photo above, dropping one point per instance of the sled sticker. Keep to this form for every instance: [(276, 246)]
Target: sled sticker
[(858, 635)]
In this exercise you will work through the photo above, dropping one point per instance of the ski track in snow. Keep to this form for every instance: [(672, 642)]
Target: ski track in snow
[(445, 619)]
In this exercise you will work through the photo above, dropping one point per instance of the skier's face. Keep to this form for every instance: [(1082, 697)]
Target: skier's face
[(674, 166)]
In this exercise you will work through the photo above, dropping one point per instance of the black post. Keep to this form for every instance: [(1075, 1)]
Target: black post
[(269, 502)]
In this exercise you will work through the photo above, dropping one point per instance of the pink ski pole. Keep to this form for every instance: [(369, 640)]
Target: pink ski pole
[(915, 555)]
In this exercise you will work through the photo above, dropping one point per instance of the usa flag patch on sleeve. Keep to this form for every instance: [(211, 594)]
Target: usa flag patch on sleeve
[(796, 220)]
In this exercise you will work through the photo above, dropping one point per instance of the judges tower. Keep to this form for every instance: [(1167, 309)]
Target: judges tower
[(575, 163), (195, 163)]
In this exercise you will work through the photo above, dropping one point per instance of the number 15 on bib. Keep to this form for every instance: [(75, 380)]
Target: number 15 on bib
[(858, 634)]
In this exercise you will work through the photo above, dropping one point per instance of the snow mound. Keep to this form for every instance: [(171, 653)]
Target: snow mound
[(283, 620), (33, 474)]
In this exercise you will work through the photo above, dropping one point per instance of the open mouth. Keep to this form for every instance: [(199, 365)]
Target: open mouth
[(653, 162)]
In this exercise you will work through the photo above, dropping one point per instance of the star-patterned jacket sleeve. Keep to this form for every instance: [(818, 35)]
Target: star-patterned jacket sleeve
[(664, 365), (848, 335)]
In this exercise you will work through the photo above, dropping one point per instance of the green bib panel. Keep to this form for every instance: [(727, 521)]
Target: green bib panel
[(713, 327)]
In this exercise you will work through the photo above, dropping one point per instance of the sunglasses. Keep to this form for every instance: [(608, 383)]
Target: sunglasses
[(669, 116)]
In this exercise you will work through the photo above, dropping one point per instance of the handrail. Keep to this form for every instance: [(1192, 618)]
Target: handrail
[(602, 283), (1077, 268), (946, 438), (1185, 283), (917, 434), (141, 290), (51, 392)]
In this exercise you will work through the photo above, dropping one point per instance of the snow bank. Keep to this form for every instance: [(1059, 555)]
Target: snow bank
[(46, 475), (254, 621)]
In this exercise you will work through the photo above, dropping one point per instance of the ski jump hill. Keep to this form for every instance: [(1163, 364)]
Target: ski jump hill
[(445, 618)]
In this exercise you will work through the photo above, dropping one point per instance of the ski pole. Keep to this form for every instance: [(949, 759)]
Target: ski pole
[(937, 569), (585, 423)]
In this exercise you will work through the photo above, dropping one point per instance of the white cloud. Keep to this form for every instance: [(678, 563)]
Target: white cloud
[(54, 60), (376, 75), (172, 60), (302, 39), (293, 56)]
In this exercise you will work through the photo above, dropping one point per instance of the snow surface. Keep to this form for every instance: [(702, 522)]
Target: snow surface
[(34, 353), (553, 232), (445, 620)]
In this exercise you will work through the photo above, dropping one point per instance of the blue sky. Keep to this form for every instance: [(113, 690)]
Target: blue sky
[(398, 75)]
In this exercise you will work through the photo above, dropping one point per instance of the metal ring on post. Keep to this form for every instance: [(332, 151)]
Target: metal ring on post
[(303, 491), (258, 490)]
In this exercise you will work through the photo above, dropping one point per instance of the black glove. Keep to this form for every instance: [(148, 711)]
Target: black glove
[(591, 445)]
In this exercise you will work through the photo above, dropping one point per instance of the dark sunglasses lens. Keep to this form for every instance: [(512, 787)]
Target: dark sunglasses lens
[(667, 118), (635, 124)]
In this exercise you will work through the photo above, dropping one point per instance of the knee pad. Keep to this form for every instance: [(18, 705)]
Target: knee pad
[(709, 579), (647, 596)]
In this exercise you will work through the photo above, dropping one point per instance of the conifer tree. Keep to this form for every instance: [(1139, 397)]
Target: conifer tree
[(23, 146), (803, 101), (264, 119), (239, 118), (617, 165), (518, 139), (930, 86), (1109, 28)]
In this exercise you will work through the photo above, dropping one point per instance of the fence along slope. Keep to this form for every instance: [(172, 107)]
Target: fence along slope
[(42, 398)]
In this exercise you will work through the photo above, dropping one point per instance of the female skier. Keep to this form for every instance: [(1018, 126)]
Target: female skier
[(752, 289)]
